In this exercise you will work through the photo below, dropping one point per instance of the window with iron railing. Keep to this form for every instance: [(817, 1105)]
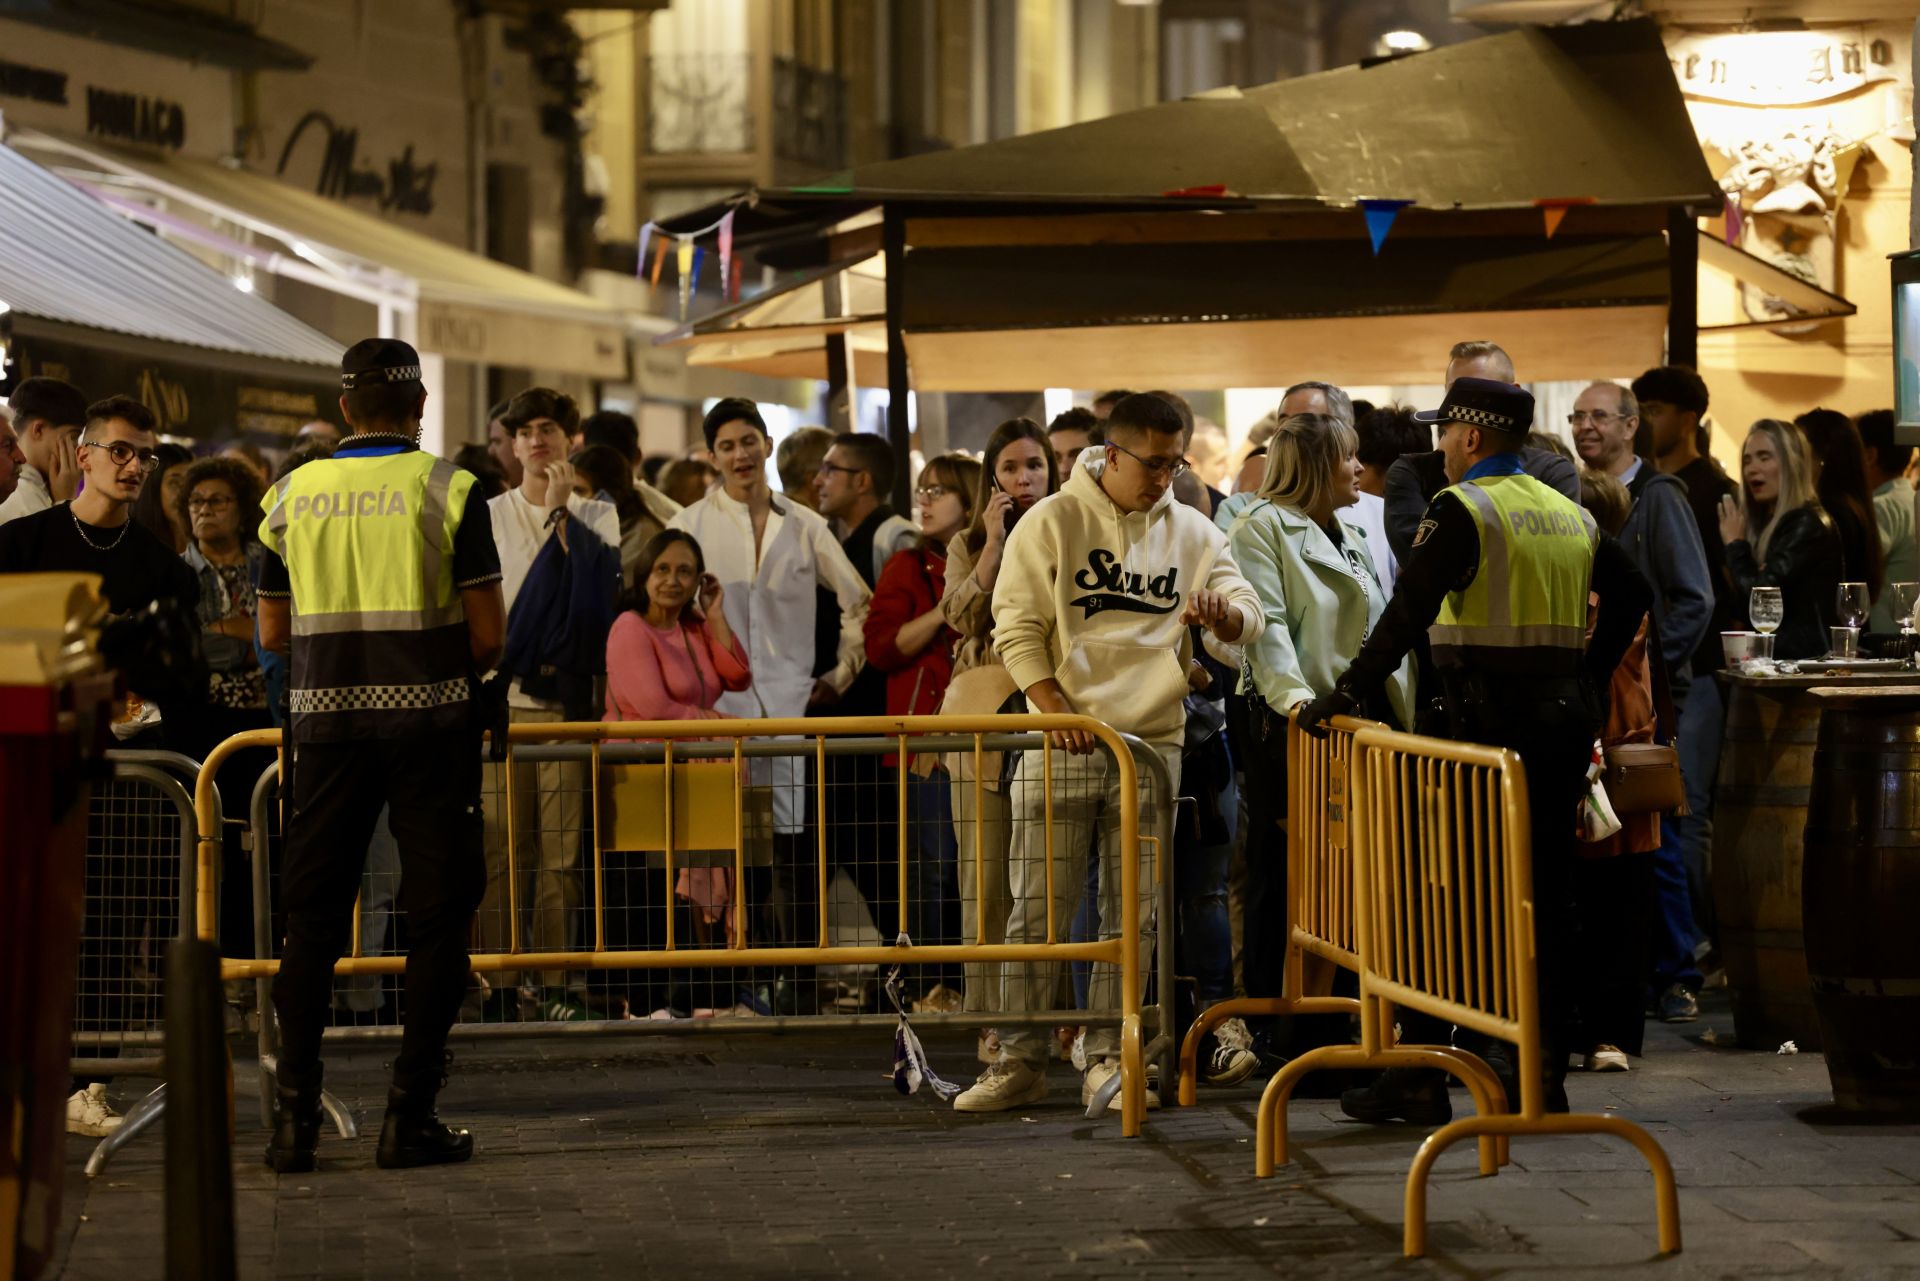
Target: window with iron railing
[(700, 104), (809, 115)]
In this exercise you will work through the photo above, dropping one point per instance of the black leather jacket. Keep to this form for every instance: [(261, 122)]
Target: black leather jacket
[(1803, 561)]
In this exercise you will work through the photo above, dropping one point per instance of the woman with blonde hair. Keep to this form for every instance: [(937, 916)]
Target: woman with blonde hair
[(1323, 595), (1778, 535)]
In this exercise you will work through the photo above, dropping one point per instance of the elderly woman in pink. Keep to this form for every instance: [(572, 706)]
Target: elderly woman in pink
[(670, 655)]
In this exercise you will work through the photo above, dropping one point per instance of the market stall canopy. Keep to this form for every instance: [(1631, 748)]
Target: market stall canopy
[(468, 306), (1529, 182), (782, 333)]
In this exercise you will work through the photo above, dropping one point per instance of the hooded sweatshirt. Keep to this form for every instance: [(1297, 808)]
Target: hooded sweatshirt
[(1092, 596)]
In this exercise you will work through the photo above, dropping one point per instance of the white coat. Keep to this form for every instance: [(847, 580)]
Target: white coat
[(1321, 603), (770, 605)]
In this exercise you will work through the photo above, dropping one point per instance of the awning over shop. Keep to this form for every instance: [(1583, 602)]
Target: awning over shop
[(461, 305), (89, 296)]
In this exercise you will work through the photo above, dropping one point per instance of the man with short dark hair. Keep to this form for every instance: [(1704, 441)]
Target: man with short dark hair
[(1416, 478), (850, 489), (621, 433), (47, 417), (1097, 589), (1103, 403), (1673, 404), (1071, 431), (381, 696), (1893, 510)]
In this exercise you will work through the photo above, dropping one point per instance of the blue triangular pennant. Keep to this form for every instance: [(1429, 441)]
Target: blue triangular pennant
[(1380, 215)]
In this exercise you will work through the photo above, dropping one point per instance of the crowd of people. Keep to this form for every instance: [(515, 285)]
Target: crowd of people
[(1077, 567)]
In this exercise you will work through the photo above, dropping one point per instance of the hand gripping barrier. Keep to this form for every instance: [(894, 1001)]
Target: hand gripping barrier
[(1443, 887), (667, 789)]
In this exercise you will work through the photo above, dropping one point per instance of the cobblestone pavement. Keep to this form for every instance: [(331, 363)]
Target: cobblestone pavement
[(791, 1156)]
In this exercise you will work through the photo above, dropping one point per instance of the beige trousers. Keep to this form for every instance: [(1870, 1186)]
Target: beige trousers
[(548, 811)]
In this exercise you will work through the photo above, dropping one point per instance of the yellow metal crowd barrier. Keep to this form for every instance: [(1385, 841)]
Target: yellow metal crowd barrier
[(679, 805), (1444, 877)]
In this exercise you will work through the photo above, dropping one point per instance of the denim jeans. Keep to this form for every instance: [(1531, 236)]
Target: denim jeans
[(1703, 720), (934, 911), (1204, 944), (1674, 933)]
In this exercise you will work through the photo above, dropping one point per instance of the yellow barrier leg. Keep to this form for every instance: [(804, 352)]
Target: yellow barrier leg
[(1133, 1078), (1242, 1008), (1666, 1191), (1270, 1129), (1489, 1096)]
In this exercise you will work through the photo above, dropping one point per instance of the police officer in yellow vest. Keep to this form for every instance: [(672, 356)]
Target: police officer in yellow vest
[(383, 581), (1499, 579)]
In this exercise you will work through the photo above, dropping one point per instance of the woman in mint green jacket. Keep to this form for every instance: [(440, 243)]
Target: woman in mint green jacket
[(1322, 596)]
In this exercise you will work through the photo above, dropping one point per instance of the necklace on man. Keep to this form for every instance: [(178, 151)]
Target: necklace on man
[(81, 525)]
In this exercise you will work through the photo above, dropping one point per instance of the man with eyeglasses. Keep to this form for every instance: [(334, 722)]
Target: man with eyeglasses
[(47, 416), (1097, 589), (94, 533), (1664, 541)]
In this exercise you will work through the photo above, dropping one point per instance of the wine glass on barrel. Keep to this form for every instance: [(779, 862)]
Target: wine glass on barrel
[(1851, 603), (1901, 598), (1766, 609)]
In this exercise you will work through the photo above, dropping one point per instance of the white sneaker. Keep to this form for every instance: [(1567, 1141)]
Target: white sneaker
[(1233, 1059), (88, 1113), (1607, 1058), (1103, 1071), (1006, 1084)]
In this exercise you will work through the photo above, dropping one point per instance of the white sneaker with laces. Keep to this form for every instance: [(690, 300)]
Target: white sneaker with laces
[(88, 1113), (1606, 1058), (1006, 1084), (1233, 1059), (1103, 1071)]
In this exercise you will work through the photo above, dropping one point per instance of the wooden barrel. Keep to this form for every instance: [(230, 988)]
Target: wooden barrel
[(1862, 883), (1759, 817)]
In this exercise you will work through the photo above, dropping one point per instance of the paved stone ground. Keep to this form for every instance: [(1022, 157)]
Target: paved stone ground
[(791, 1157)]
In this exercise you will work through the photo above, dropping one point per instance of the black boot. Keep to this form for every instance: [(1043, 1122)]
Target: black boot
[(412, 1134), (296, 1128), (1418, 1095)]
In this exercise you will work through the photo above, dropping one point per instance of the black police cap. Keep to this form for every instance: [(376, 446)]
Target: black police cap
[(373, 361), (1485, 403)]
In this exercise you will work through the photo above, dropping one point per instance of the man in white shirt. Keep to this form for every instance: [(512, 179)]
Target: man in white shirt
[(1893, 512), (547, 797), (772, 556), (47, 417)]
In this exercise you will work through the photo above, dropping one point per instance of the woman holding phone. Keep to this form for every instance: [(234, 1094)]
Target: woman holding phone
[(670, 655), (1018, 470)]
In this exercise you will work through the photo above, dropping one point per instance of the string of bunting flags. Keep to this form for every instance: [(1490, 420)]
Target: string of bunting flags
[(1380, 213), (689, 255)]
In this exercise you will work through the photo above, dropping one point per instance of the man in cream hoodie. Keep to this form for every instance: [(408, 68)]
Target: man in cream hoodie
[(1099, 585)]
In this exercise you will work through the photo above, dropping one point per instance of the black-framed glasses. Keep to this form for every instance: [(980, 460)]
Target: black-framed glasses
[(1170, 468), (122, 453), (933, 493), (215, 503), (849, 471), (1600, 417)]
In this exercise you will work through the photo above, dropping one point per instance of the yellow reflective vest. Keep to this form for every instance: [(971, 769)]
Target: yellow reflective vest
[(379, 633), (1527, 602)]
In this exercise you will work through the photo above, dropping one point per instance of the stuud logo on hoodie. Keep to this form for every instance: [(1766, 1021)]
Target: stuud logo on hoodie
[(1111, 587)]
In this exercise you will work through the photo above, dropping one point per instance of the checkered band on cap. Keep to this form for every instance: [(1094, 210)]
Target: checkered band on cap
[(1478, 417), (390, 374)]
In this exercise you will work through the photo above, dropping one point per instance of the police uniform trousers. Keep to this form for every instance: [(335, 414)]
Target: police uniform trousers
[(431, 786), (1549, 722)]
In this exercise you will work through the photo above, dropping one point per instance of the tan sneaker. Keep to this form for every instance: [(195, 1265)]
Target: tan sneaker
[(1006, 1084), (1607, 1058), (1098, 1074), (88, 1113)]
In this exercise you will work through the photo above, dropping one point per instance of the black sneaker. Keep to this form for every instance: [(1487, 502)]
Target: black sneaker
[(1418, 1095)]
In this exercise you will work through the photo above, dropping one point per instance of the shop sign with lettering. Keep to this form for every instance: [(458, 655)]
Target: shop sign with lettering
[(1780, 68), (404, 185)]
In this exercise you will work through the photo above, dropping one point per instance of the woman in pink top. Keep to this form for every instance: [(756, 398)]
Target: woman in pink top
[(669, 657), (666, 661)]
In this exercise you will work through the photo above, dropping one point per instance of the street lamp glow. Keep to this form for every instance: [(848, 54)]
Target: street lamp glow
[(1405, 41), (243, 283)]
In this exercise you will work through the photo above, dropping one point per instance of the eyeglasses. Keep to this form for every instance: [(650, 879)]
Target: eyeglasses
[(1168, 467), (851, 471), (122, 453), (933, 493), (1600, 417), (217, 503)]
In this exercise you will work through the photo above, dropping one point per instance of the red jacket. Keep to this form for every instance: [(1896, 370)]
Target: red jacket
[(909, 586)]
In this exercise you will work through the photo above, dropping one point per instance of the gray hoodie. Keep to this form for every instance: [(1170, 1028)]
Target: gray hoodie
[(1664, 540)]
